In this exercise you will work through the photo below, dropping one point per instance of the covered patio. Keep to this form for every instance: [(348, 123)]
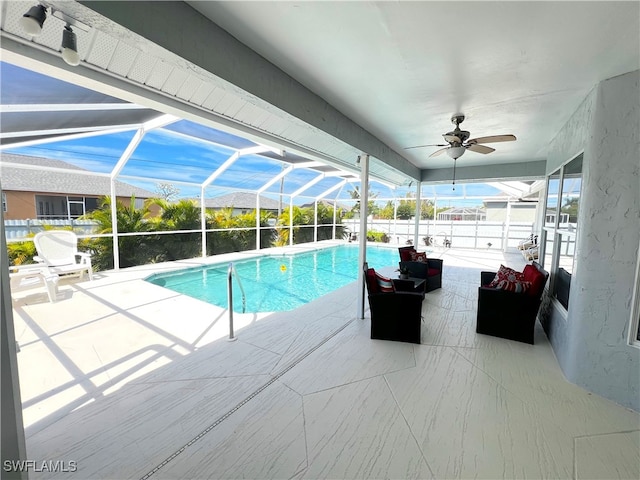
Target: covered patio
[(123, 379)]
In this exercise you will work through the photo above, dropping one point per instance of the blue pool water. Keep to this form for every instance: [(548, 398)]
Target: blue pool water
[(276, 283)]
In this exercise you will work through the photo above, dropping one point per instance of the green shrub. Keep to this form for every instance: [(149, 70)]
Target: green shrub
[(21, 253), (376, 236)]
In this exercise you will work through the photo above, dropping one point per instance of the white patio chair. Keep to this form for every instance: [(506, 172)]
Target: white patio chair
[(58, 251), (25, 277)]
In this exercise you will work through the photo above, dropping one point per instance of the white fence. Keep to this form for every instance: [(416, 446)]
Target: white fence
[(16, 230), (462, 234)]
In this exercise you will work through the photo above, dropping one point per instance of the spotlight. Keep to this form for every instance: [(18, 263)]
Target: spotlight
[(69, 47), (33, 20)]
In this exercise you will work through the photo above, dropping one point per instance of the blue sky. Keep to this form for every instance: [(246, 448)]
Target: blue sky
[(170, 156)]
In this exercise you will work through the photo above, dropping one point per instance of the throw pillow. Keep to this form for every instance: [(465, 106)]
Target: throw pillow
[(385, 284), (419, 257), (372, 281), (506, 274), (406, 253), (516, 287), (533, 275)]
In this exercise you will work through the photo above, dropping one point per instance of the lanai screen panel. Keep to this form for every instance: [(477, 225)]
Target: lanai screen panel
[(166, 156), (96, 154), (293, 181), (202, 132), (249, 172), (20, 87)]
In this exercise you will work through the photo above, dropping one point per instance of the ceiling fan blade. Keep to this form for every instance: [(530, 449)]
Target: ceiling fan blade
[(431, 145), (438, 152), (493, 139), (480, 148), (452, 138)]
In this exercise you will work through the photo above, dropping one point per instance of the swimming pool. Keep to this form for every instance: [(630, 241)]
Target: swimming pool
[(276, 283)]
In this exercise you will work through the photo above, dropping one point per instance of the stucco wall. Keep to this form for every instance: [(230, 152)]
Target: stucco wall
[(20, 206), (591, 341)]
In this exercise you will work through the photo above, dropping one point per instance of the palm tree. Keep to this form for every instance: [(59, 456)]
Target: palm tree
[(134, 250), (371, 204), (181, 215)]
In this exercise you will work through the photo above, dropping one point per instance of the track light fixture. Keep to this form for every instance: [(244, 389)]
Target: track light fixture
[(33, 20), (69, 47)]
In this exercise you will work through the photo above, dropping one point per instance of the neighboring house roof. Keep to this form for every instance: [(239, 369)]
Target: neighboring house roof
[(23, 180), (329, 203), (241, 200)]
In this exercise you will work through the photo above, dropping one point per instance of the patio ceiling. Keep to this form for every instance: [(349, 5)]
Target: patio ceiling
[(329, 81)]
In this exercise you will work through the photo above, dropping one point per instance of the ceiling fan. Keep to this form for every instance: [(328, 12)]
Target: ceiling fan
[(458, 142)]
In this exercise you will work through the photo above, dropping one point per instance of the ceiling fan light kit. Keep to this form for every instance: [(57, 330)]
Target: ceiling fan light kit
[(455, 152)]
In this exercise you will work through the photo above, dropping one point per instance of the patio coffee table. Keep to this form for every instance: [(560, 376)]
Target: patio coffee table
[(409, 284)]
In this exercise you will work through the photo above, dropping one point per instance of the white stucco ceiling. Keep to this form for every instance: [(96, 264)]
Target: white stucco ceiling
[(401, 69)]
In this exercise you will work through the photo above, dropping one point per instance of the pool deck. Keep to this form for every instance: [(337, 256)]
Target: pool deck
[(131, 380)]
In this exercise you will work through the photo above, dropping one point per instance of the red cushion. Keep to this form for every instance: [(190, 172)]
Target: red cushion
[(384, 284), (533, 275), (372, 282), (406, 253), (432, 272)]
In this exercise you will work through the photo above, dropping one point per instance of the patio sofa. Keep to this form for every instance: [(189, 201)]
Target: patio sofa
[(507, 310)]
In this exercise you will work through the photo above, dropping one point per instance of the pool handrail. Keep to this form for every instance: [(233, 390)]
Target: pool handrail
[(230, 274)]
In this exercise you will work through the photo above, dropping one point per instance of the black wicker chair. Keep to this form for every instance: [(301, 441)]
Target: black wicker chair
[(431, 271), (507, 314), (394, 315)]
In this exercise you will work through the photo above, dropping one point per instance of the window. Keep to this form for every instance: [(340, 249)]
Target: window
[(550, 219), (560, 227), (634, 331), (4, 202), (62, 207)]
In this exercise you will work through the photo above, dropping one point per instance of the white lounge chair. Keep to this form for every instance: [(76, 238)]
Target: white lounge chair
[(58, 251), (25, 277)]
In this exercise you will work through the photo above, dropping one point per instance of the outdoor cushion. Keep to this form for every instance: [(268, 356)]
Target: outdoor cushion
[(537, 279), (517, 286), (419, 257), (506, 274), (406, 253), (372, 281), (384, 284)]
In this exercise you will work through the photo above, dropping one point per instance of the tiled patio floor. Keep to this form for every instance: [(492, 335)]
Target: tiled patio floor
[(130, 380)]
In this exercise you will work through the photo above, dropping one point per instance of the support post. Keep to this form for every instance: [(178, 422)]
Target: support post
[(291, 221), (203, 222), (315, 223), (417, 220), (505, 241), (114, 225), (13, 438), (258, 221), (362, 256)]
